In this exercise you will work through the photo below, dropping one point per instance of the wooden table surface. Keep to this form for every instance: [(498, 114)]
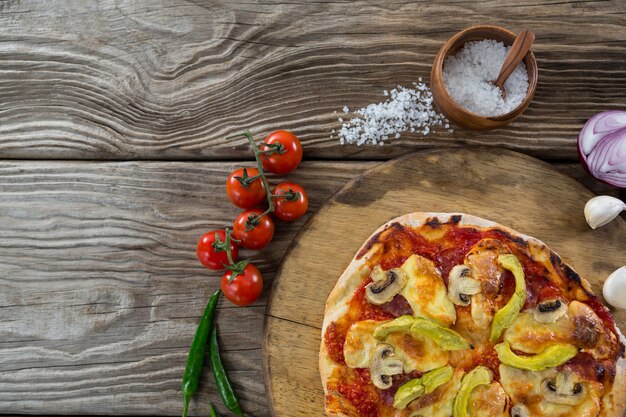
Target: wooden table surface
[(113, 161)]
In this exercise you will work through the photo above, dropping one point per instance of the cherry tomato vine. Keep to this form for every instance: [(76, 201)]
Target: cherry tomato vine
[(242, 282)]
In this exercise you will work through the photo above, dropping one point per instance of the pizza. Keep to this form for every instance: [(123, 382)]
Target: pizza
[(452, 315)]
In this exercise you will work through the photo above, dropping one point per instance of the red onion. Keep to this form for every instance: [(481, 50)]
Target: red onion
[(602, 147)]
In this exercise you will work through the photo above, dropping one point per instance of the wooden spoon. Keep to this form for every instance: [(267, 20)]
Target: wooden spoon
[(516, 54)]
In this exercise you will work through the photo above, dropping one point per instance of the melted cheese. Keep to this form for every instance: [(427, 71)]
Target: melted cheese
[(580, 326), (360, 343), (467, 328), (418, 353), (529, 336), (426, 292), (488, 401), (525, 387), (482, 311), (438, 403)]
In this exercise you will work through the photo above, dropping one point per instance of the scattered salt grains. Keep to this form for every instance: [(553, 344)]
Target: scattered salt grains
[(469, 75), (405, 109)]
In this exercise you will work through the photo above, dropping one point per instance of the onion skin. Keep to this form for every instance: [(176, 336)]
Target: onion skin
[(602, 147)]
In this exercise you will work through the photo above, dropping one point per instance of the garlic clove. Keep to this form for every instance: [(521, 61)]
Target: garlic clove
[(614, 289), (602, 209)]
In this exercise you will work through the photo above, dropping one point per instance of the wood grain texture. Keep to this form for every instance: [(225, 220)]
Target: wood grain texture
[(514, 190), (168, 79), (100, 291)]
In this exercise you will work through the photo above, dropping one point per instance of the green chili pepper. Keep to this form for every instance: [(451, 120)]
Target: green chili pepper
[(195, 359), (221, 379), (213, 412)]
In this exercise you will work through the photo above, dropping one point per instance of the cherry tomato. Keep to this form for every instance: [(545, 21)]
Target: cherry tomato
[(243, 189), (245, 288), (208, 256), (253, 234), (293, 203), (285, 152)]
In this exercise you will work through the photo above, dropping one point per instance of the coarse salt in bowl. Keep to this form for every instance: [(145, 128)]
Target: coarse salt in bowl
[(465, 95), (468, 77)]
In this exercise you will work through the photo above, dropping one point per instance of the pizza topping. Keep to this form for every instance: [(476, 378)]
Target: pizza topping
[(425, 290), (477, 376), (363, 400), (482, 311), (489, 401), (520, 410), (562, 389), (385, 285), (446, 338), (507, 314), (361, 309), (551, 356), (549, 306), (483, 260), (590, 333), (334, 339), (417, 387), (590, 368), (549, 311), (402, 323), (438, 403), (529, 336), (384, 365), (397, 307), (386, 395), (418, 353), (538, 392), (461, 286), (359, 344)]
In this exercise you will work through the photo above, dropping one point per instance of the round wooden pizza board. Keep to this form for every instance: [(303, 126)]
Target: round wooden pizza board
[(512, 189)]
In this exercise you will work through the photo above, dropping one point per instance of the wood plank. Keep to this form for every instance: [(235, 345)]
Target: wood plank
[(100, 291), (509, 188), (598, 187), (169, 79)]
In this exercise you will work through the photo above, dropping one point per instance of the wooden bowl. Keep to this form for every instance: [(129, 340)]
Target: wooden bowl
[(454, 111)]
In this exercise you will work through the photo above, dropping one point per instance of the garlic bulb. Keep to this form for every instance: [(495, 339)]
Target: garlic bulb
[(614, 289), (602, 209)]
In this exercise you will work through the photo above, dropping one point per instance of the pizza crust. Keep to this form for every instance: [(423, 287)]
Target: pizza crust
[(614, 402)]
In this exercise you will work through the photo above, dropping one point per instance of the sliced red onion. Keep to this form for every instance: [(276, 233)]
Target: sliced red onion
[(602, 147)]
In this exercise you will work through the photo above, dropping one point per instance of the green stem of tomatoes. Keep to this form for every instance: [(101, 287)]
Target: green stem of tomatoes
[(289, 195), (229, 255), (257, 156), (236, 267)]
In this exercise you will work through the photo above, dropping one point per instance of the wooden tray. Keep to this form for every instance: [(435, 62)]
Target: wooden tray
[(515, 190)]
